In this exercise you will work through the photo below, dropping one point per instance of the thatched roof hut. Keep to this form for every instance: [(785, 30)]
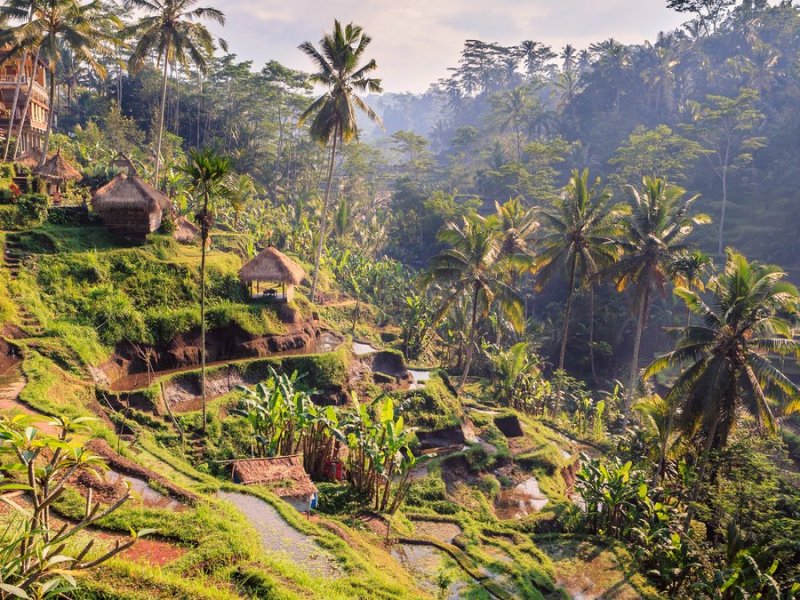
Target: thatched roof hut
[(186, 232), (283, 475), (59, 169), (272, 266), (130, 207), (29, 159)]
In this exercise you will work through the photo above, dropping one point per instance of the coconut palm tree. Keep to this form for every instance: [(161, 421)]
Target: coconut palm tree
[(725, 366), (52, 25), (580, 234), (473, 266), (333, 115), (688, 270), (654, 235), (207, 173), (170, 31)]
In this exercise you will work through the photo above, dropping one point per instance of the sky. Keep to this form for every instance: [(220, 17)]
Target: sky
[(415, 41)]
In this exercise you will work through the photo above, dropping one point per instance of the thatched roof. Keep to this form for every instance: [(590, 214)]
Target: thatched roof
[(185, 230), (57, 167), (121, 161), (272, 265), (284, 475), (29, 159), (124, 192)]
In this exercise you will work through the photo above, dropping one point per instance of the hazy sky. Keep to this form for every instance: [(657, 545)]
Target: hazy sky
[(415, 41)]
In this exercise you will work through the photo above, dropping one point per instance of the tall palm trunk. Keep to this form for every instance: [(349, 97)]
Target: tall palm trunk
[(662, 460), (567, 312), (50, 116), (324, 215), (34, 73), (721, 241), (203, 239), (471, 341), (17, 88), (634, 378), (161, 119), (591, 333), (701, 475)]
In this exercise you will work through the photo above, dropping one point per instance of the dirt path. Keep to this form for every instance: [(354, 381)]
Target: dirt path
[(278, 537), (12, 382)]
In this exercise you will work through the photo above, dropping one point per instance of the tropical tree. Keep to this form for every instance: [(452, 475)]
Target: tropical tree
[(207, 173), (580, 233), (333, 115), (654, 235), (726, 128), (51, 26), (725, 366), (688, 270), (473, 265), (517, 225), (170, 31)]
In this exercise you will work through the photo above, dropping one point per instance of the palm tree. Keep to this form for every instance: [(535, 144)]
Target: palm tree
[(53, 25), (333, 115), (207, 173), (580, 235), (473, 265), (688, 270), (171, 32), (517, 225), (654, 234), (725, 365)]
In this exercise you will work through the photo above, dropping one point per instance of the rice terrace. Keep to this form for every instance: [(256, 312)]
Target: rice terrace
[(452, 300)]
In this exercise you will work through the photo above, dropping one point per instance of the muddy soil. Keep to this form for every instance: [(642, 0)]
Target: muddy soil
[(183, 351)]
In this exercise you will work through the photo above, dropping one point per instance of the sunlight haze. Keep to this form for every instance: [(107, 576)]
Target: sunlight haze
[(415, 41)]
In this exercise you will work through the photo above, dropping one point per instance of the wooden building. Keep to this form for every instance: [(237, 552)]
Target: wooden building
[(272, 275), (284, 476), (130, 207), (32, 94)]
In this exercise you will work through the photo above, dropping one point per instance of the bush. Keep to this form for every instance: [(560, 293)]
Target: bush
[(7, 171), (33, 207), (167, 225)]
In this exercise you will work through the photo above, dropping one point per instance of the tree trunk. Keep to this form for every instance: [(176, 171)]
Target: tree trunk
[(471, 343), (34, 72), (721, 243), (324, 215), (161, 122), (634, 378), (567, 313), (662, 461), (703, 464), (17, 88), (591, 334), (51, 115), (203, 239)]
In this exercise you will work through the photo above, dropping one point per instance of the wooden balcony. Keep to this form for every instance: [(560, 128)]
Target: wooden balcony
[(11, 81)]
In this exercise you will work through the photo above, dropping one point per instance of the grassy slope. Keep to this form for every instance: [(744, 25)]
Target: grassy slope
[(224, 558)]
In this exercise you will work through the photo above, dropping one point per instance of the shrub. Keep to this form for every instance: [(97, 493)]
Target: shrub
[(7, 171), (33, 207), (167, 225)]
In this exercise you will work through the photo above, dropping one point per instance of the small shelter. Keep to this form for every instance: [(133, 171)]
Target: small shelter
[(272, 267), (130, 207), (57, 171), (283, 475)]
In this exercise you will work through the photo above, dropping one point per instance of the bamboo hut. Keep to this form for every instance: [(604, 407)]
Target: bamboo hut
[(130, 207), (272, 268), (283, 475), (57, 171)]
